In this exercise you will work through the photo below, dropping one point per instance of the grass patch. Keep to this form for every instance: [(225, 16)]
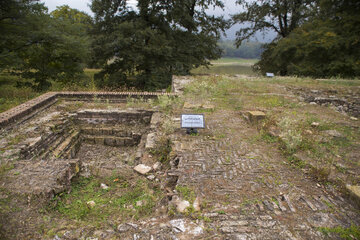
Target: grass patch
[(270, 101), (268, 137), (10, 95), (168, 104), (162, 151), (225, 69), (350, 233), (123, 198), (227, 60), (186, 193), (14, 90)]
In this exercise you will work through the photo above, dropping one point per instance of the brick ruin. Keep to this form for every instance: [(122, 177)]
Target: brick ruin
[(249, 194), (47, 146)]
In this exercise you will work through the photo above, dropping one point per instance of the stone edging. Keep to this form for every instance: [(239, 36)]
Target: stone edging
[(12, 115)]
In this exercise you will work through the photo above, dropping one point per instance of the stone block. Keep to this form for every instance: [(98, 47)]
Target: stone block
[(99, 140), (142, 169), (110, 141), (255, 116), (120, 142), (106, 131), (208, 106), (87, 131), (150, 141), (129, 142), (333, 133), (189, 105), (89, 139), (156, 120)]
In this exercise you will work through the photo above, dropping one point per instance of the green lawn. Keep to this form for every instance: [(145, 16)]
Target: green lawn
[(240, 61), (12, 94), (228, 66)]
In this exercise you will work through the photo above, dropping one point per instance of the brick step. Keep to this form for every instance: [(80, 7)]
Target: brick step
[(111, 140), (41, 145), (109, 132), (67, 145)]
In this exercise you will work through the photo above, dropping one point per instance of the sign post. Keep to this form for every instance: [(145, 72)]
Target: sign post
[(192, 122)]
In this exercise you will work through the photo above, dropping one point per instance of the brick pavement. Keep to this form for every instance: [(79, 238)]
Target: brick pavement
[(252, 192)]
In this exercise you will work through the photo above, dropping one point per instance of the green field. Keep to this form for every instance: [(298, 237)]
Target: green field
[(13, 91), (240, 61), (228, 66)]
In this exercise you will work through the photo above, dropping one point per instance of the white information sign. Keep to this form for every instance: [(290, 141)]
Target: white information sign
[(270, 75), (192, 121)]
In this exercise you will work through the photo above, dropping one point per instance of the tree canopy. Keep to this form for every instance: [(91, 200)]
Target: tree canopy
[(39, 46), (279, 16), (321, 38), (20, 27), (143, 48)]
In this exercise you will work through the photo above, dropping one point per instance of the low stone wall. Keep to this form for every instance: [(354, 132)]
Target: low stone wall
[(28, 108)]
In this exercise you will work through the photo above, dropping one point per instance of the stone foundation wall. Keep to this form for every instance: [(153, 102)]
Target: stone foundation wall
[(29, 108)]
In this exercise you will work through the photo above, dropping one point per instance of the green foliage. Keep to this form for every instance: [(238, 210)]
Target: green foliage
[(215, 88), (279, 16), (144, 48), (186, 193), (10, 95), (325, 47), (162, 150), (291, 137), (168, 126), (73, 16), (350, 233), (4, 168), (165, 102), (40, 47), (20, 28), (201, 88)]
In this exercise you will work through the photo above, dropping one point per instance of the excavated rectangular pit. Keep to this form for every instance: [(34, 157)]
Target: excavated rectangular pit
[(73, 141), (106, 140), (71, 138)]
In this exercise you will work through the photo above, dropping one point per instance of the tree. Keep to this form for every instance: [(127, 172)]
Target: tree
[(78, 25), (144, 48), (327, 46), (74, 16), (39, 47), (60, 56), (281, 16), (20, 23)]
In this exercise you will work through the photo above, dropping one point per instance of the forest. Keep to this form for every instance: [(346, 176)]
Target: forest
[(247, 50), (142, 48)]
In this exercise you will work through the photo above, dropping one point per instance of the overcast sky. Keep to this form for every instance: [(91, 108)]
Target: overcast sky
[(230, 8)]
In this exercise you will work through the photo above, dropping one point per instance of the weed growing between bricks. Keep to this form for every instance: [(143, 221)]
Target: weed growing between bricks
[(162, 151)]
